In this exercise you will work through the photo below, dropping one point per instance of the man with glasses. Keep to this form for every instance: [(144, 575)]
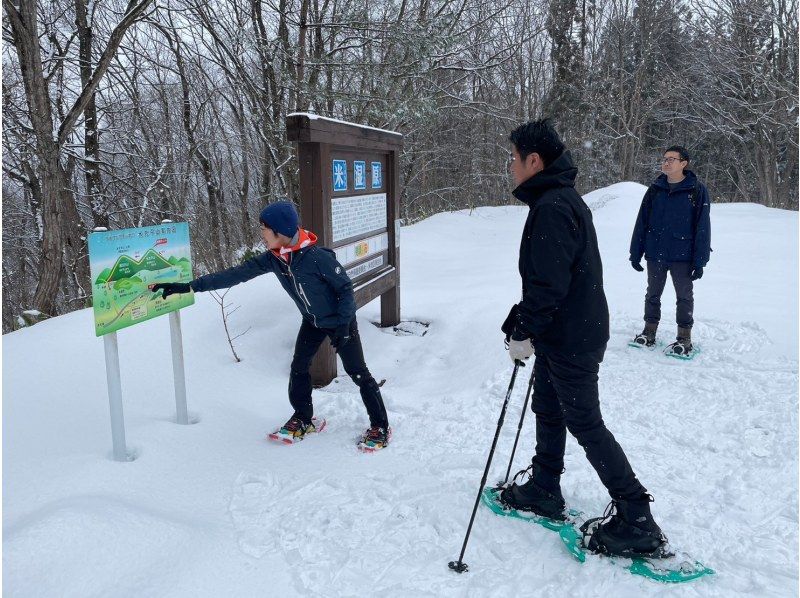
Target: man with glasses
[(673, 233)]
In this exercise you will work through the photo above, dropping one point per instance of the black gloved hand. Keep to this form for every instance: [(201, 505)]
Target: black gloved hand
[(341, 336), (637, 266), (510, 323), (171, 288), (697, 273)]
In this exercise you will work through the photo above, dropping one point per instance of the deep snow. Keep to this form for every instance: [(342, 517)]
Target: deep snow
[(213, 509)]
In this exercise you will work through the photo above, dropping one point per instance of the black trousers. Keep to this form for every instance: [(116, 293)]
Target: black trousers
[(308, 341), (565, 397), (681, 273)]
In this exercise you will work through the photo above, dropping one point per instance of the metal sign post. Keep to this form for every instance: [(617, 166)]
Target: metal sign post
[(115, 397), (182, 414)]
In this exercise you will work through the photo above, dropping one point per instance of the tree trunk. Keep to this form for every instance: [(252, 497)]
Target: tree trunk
[(91, 139)]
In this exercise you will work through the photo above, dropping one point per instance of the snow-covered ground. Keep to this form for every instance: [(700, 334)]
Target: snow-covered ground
[(212, 509)]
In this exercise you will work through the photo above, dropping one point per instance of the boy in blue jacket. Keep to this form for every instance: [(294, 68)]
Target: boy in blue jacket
[(323, 293), (673, 233)]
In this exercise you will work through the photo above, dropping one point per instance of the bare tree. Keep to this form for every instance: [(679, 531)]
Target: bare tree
[(64, 233)]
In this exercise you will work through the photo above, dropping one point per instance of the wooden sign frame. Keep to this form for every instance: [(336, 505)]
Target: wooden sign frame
[(363, 150)]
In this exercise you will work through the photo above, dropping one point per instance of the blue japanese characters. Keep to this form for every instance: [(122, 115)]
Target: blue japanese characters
[(340, 175)]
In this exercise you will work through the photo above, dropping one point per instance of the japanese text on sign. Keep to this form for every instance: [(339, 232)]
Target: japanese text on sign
[(357, 215)]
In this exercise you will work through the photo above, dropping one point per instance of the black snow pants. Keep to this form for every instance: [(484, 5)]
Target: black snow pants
[(352, 355), (565, 397)]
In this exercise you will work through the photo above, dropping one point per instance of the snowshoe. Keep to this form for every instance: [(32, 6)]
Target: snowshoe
[(643, 341), (681, 349), (646, 339), (491, 497), (663, 565), (296, 429), (374, 439)]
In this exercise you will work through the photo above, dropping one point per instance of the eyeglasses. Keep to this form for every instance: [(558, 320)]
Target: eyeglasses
[(511, 158), (670, 160)]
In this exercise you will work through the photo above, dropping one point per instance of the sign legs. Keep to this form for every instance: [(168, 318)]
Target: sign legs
[(182, 414), (115, 396), (390, 307)]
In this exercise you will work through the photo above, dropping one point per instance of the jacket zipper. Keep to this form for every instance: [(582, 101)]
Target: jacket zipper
[(301, 295)]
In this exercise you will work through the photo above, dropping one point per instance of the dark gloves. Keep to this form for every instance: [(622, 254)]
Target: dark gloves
[(510, 323), (637, 266), (697, 273), (171, 288), (341, 336)]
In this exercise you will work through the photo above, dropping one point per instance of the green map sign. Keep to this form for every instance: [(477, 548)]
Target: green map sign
[(124, 262)]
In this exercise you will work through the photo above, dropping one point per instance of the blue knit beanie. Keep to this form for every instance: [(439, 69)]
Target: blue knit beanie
[(281, 217)]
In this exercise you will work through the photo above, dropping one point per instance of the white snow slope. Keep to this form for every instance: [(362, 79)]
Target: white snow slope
[(213, 509)]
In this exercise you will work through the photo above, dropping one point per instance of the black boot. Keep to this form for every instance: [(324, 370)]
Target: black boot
[(627, 529), (541, 494)]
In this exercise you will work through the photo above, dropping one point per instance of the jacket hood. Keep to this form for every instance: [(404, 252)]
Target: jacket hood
[(561, 173)]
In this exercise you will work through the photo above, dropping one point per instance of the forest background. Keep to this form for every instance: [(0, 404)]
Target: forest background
[(122, 114)]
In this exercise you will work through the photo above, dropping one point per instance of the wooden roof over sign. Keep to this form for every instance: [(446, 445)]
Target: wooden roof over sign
[(311, 128)]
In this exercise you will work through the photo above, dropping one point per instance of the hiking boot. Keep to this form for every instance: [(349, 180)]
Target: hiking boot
[(626, 529), (540, 495), (647, 338), (683, 344), (374, 439)]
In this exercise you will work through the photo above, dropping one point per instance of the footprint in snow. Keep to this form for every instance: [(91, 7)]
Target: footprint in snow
[(758, 441)]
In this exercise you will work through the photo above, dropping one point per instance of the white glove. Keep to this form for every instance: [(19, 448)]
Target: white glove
[(520, 350)]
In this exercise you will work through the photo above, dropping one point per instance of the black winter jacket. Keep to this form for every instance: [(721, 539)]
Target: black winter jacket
[(316, 282), (563, 305)]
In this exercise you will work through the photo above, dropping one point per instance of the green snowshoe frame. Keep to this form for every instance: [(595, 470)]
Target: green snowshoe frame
[(572, 539)]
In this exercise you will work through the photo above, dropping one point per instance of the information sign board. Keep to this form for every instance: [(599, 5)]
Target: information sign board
[(124, 262)]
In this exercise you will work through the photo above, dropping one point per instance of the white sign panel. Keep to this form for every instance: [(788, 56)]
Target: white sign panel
[(357, 215), (357, 271), (352, 252)]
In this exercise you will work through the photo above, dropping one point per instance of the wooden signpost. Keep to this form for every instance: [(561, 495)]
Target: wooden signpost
[(350, 197)]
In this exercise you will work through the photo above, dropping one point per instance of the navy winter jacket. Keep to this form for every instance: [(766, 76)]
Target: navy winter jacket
[(563, 305), (673, 226), (318, 284)]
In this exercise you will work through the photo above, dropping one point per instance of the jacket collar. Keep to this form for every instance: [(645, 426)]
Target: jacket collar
[(302, 239), (561, 173), (687, 183)]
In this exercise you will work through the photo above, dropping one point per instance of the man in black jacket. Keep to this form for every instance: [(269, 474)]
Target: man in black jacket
[(563, 318), (323, 293)]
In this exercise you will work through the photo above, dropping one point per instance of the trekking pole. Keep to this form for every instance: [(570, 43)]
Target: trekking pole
[(460, 566), (519, 427)]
